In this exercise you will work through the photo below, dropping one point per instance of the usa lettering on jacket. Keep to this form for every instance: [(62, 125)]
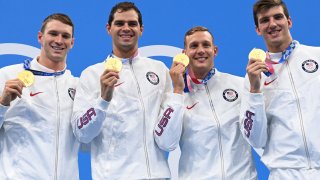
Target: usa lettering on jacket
[(87, 117), (164, 121)]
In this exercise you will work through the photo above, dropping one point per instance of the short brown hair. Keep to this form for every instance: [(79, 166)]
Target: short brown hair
[(59, 17), (194, 30), (124, 6), (264, 5)]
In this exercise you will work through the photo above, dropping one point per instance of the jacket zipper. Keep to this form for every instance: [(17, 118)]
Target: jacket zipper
[(57, 130), (300, 115), (144, 120), (219, 131)]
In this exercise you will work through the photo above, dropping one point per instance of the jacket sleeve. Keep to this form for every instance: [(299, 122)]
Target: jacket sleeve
[(253, 119), (89, 109), (3, 109), (168, 129)]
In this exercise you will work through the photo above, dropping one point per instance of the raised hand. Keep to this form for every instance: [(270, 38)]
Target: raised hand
[(12, 90), (254, 69), (107, 81), (176, 73)]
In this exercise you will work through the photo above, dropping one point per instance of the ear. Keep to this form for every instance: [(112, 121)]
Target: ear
[(289, 22), (72, 43), (108, 27), (40, 37), (258, 31), (215, 49), (141, 30)]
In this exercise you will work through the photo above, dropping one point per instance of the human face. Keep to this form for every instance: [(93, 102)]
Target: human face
[(201, 52), (56, 40), (274, 26), (125, 31)]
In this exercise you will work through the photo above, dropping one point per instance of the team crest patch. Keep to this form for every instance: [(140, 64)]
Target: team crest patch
[(72, 93), (230, 95), (153, 78), (310, 66)]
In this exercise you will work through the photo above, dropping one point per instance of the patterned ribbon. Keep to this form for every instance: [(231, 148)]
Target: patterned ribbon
[(189, 76), (284, 57), (26, 66)]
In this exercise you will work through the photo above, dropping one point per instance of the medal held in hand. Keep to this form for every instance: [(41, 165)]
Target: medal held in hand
[(26, 77), (259, 54), (113, 64), (181, 58)]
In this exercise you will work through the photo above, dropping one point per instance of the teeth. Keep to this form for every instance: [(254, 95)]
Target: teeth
[(201, 58), (57, 48)]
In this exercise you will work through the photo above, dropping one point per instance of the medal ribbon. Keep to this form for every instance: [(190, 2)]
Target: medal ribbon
[(284, 57), (123, 59), (26, 66), (189, 76)]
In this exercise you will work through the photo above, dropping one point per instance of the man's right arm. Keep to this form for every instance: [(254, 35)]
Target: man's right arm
[(253, 120), (9, 91), (89, 109)]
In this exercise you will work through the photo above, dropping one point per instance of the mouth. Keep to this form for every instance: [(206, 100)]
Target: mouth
[(274, 32), (58, 48), (201, 59), (126, 36)]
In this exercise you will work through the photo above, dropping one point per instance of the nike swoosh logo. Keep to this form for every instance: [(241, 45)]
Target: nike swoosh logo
[(190, 107), (267, 83), (118, 84), (33, 94)]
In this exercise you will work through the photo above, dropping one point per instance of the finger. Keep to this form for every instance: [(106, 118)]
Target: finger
[(111, 81), (109, 75), (12, 92), (17, 85)]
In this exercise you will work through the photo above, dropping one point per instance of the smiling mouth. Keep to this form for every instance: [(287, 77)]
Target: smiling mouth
[(57, 48), (201, 58), (126, 35), (274, 32)]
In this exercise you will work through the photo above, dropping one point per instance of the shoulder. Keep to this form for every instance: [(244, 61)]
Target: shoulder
[(230, 77), (14, 67), (314, 49), (11, 71), (93, 70), (154, 62)]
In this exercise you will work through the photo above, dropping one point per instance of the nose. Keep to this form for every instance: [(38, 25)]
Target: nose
[(272, 23), (200, 50), (59, 39), (126, 27)]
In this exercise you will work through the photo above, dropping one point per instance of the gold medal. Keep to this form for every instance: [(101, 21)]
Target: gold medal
[(113, 64), (26, 77), (259, 54), (181, 58)]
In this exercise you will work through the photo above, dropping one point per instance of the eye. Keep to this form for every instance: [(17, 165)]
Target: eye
[(66, 36), (53, 33), (193, 46), (118, 23), (132, 23), (264, 20), (278, 16), (207, 45)]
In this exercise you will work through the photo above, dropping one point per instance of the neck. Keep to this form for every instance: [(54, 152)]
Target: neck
[(121, 53), (275, 48), (53, 65), (200, 75)]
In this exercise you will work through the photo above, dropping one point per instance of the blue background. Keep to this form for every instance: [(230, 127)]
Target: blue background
[(165, 23)]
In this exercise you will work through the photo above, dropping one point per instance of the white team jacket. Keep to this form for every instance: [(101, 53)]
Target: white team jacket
[(285, 118), (36, 139), (121, 132), (205, 123)]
